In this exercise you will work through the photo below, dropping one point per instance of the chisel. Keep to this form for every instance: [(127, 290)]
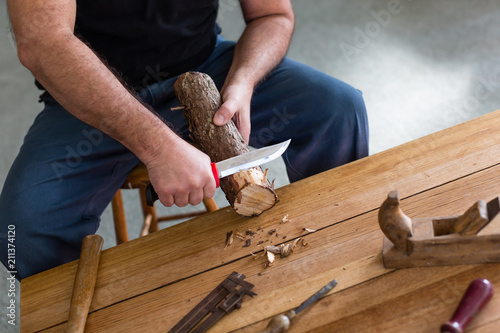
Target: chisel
[(281, 323), (475, 298)]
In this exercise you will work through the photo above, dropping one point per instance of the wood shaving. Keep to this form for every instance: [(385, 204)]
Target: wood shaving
[(273, 249), (304, 243), (240, 236), (285, 219), (308, 230), (284, 250), (264, 177), (297, 240), (270, 259), (175, 108), (229, 239)]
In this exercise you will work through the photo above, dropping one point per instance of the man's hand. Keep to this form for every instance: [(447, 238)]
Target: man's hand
[(181, 175), (235, 105), (259, 49)]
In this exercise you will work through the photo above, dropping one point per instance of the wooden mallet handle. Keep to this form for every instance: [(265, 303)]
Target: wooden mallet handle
[(83, 288), (475, 298)]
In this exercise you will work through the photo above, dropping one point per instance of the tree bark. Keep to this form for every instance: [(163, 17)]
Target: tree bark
[(248, 192)]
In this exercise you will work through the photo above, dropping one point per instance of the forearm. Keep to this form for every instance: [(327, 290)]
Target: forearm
[(259, 50), (77, 78), (85, 87), (261, 47)]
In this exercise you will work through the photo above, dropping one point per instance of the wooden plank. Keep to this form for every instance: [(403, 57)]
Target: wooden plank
[(167, 305), (333, 252), (422, 306), (491, 327), (316, 202)]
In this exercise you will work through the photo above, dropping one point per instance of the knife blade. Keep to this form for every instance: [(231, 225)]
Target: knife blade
[(234, 164)]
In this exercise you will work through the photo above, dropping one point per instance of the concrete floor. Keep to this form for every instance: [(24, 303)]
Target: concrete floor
[(422, 65)]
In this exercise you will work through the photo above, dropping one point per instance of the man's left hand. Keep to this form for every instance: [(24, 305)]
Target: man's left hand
[(235, 105)]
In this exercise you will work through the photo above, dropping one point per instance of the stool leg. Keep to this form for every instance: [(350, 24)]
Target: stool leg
[(119, 218), (210, 204), (148, 211)]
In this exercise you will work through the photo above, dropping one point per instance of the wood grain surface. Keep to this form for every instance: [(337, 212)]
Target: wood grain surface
[(149, 284)]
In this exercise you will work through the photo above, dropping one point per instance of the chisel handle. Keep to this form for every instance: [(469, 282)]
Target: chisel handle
[(475, 298), (83, 288), (280, 323)]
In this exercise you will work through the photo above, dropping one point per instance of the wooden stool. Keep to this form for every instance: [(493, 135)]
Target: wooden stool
[(139, 179)]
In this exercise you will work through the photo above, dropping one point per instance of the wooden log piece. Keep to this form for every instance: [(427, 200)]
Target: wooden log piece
[(248, 192)]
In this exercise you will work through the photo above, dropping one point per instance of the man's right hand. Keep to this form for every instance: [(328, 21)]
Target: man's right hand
[(181, 175)]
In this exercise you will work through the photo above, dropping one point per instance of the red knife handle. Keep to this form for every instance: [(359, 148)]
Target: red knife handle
[(475, 298), (216, 174)]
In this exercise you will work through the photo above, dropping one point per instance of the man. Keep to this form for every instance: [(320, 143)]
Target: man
[(106, 65)]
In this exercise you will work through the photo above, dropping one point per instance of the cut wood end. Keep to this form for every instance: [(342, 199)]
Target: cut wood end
[(253, 200), (255, 195)]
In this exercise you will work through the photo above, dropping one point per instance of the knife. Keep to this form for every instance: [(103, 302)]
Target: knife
[(235, 164)]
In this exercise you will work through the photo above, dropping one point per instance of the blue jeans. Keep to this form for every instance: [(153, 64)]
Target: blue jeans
[(67, 172)]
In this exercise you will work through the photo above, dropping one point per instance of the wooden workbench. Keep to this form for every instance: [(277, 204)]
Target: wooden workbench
[(148, 284)]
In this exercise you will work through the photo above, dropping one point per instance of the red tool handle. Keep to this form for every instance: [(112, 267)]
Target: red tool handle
[(216, 174), (475, 298)]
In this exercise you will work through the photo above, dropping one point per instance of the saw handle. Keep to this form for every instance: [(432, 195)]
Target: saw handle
[(475, 298), (152, 196)]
